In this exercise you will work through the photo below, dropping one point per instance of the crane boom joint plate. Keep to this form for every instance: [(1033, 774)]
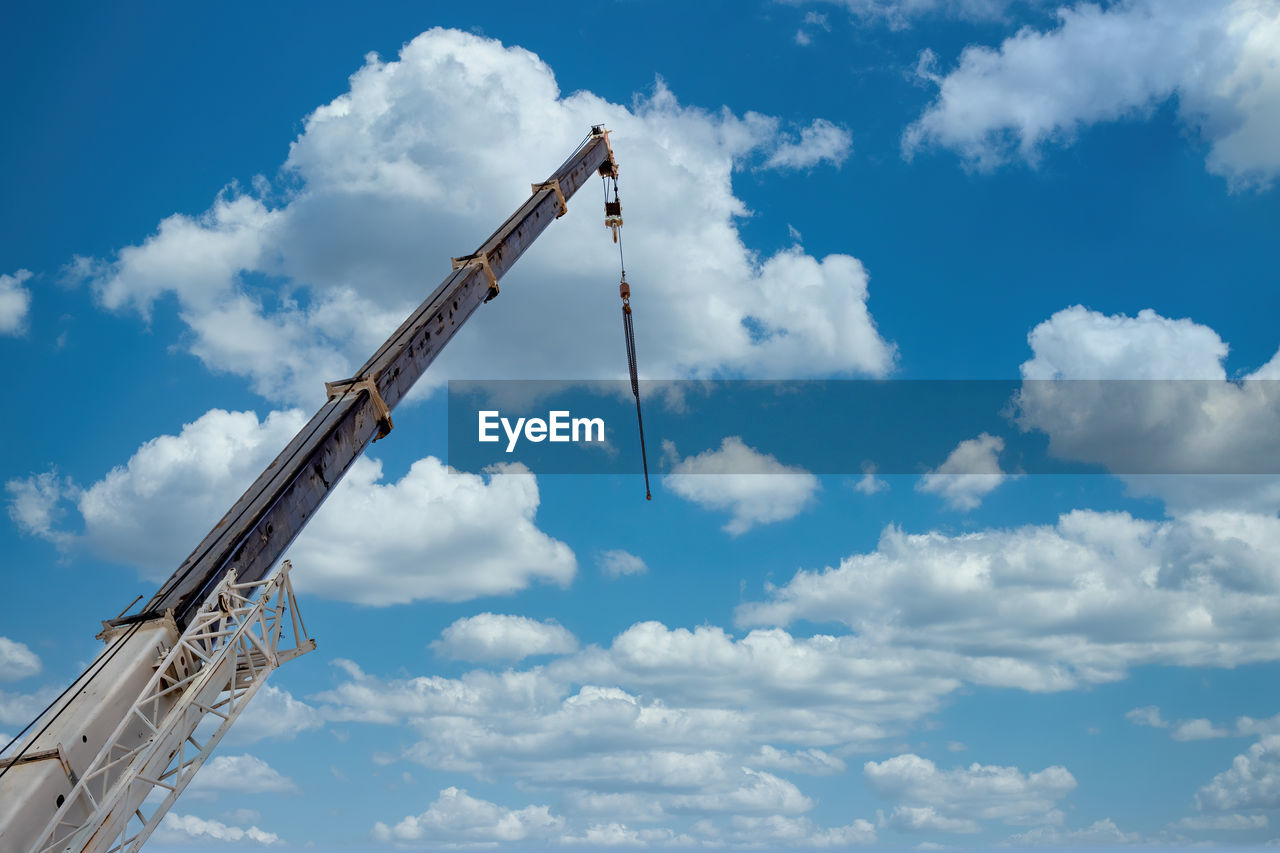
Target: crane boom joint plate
[(479, 259), (553, 184), (342, 386)]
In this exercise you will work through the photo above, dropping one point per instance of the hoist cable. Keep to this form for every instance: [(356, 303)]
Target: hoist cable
[(635, 389), (624, 289)]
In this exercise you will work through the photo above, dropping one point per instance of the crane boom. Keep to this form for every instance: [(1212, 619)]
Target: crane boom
[(97, 720), (260, 525)]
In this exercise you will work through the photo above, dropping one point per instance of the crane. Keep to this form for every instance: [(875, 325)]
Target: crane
[(104, 762)]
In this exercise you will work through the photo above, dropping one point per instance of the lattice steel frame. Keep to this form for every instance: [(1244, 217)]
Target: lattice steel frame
[(217, 665)]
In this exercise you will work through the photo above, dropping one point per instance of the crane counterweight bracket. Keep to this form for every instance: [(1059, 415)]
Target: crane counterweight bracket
[(554, 184), (342, 386), (482, 261)]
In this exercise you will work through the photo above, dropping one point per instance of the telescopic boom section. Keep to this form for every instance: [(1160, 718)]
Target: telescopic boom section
[(255, 532)]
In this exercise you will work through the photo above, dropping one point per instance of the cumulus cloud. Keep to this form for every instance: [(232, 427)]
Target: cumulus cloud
[(820, 142), (690, 720), (152, 510), (18, 709), (1217, 57), (243, 773), (382, 195), (870, 484), (34, 504), (812, 22), (813, 761), (457, 817), (951, 800), (1147, 716), (493, 637), (616, 563), (969, 473), (428, 523), (1252, 781), (179, 828), (15, 302), (1077, 343), (754, 487), (1227, 822), (899, 14), (779, 830), (273, 714), (1047, 607), (17, 660), (1149, 396), (1100, 833), (927, 819)]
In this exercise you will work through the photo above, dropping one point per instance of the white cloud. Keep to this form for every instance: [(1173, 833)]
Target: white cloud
[(1047, 607), (900, 13), (927, 819), (373, 543), (630, 807), (274, 713), (428, 524), (493, 637), (243, 773), (15, 302), (1076, 343), (616, 563), (813, 761), (457, 817), (1250, 726), (758, 792), (607, 835), (1226, 822), (150, 512), (18, 709), (689, 719), (180, 828), (1153, 425), (1200, 729), (1252, 782), (1147, 716), (791, 831), (1204, 729), (1101, 833), (969, 473), (17, 660), (291, 295), (951, 800), (34, 504), (812, 21), (820, 142), (614, 834), (754, 487), (870, 484), (1217, 57)]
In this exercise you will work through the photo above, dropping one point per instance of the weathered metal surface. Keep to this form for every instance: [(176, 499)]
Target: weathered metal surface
[(255, 532)]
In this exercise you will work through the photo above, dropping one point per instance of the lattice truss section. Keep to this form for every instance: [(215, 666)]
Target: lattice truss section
[(212, 672)]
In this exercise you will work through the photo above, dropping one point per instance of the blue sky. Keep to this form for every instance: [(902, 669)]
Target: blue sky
[(211, 212)]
